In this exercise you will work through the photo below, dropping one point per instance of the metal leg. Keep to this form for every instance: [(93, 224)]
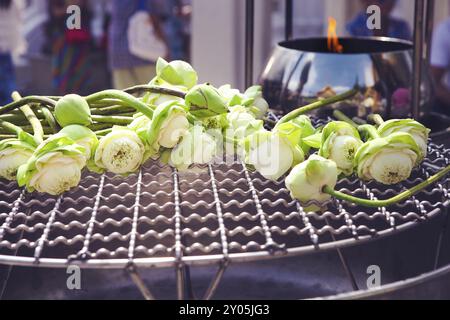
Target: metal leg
[(345, 265), (137, 279), (181, 283), (216, 281), (249, 41), (289, 20), (188, 284), (418, 56), (441, 237), (429, 15)]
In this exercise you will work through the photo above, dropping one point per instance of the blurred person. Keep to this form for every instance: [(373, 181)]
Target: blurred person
[(175, 17), (390, 26), (128, 69), (70, 48), (11, 44), (440, 66)]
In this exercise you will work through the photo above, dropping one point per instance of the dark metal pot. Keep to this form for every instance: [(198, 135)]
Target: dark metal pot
[(303, 70)]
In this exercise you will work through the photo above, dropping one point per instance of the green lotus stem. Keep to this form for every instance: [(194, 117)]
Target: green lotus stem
[(113, 119), (50, 119), (31, 117), (376, 118), (155, 89), (12, 128), (359, 121), (343, 117), (391, 201), (125, 97), (106, 103), (316, 105), (100, 126), (28, 129), (112, 109), (27, 100), (370, 130), (103, 132), (7, 136)]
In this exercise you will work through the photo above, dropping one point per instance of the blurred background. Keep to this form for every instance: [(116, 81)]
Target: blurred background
[(39, 55)]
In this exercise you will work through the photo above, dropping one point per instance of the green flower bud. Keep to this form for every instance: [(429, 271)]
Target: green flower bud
[(177, 73), (83, 137), (255, 101), (233, 97), (72, 109), (205, 101)]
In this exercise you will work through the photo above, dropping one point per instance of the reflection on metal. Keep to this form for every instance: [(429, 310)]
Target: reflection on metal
[(303, 70)]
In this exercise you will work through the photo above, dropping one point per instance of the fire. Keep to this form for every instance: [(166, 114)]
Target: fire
[(333, 40)]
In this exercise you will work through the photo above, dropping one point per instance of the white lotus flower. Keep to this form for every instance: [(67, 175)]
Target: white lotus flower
[(169, 125), (15, 153), (388, 160), (57, 173), (417, 130), (120, 152), (340, 142), (272, 153), (308, 179), (11, 159), (196, 147), (55, 166)]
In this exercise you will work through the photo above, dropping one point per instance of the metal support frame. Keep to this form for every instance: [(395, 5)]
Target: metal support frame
[(429, 26), (249, 41), (419, 25), (289, 23)]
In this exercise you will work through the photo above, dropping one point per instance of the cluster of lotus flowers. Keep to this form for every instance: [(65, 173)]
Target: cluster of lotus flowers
[(182, 123)]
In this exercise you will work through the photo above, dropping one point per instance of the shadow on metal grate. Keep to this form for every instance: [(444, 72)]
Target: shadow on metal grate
[(217, 214)]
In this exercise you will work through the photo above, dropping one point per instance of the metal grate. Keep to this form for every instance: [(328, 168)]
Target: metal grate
[(220, 213)]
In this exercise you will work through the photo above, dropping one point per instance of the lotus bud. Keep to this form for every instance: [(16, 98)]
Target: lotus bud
[(205, 101), (120, 152), (308, 179), (255, 101), (72, 109), (177, 73), (388, 160), (233, 97), (83, 137)]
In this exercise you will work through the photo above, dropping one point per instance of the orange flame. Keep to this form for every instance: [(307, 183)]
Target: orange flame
[(333, 40)]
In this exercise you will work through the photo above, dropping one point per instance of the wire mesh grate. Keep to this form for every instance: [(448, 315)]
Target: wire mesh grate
[(159, 217)]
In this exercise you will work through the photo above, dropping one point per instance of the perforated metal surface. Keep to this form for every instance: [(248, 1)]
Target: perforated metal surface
[(160, 218)]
